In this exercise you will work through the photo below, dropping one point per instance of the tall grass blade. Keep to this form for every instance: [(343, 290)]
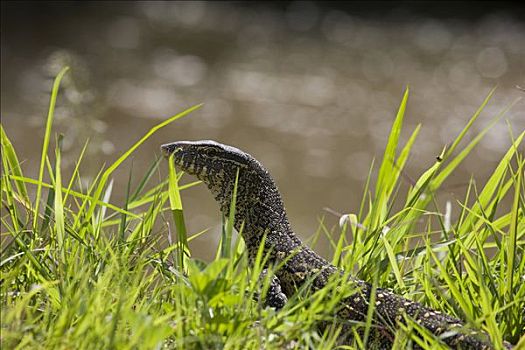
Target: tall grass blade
[(178, 215), (385, 179), (463, 132), (59, 205), (513, 231), (226, 239), (123, 217), (45, 145)]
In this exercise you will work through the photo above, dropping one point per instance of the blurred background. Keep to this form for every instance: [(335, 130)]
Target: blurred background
[(308, 88)]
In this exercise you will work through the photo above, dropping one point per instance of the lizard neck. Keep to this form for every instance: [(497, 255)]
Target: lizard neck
[(259, 209)]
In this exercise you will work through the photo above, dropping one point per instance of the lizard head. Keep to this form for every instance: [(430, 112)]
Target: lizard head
[(207, 160), (258, 202)]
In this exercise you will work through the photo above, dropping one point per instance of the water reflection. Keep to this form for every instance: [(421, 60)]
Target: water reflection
[(309, 90)]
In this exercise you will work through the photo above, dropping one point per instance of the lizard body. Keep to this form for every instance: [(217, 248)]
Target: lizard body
[(260, 211)]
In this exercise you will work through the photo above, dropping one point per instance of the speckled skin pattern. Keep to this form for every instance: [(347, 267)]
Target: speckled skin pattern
[(260, 210)]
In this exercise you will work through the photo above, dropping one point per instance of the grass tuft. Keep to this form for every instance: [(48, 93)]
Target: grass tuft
[(82, 272)]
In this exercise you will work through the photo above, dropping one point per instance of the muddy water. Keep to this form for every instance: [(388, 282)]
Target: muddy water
[(311, 92)]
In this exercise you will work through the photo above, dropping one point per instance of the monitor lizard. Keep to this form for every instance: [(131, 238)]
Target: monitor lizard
[(260, 212)]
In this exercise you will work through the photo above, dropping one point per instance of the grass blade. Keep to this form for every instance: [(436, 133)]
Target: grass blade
[(178, 215), (47, 135), (59, 205), (226, 240)]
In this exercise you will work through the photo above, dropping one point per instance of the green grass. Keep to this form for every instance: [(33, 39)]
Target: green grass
[(78, 272)]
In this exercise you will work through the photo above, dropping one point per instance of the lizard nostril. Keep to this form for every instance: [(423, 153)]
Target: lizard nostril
[(165, 150)]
